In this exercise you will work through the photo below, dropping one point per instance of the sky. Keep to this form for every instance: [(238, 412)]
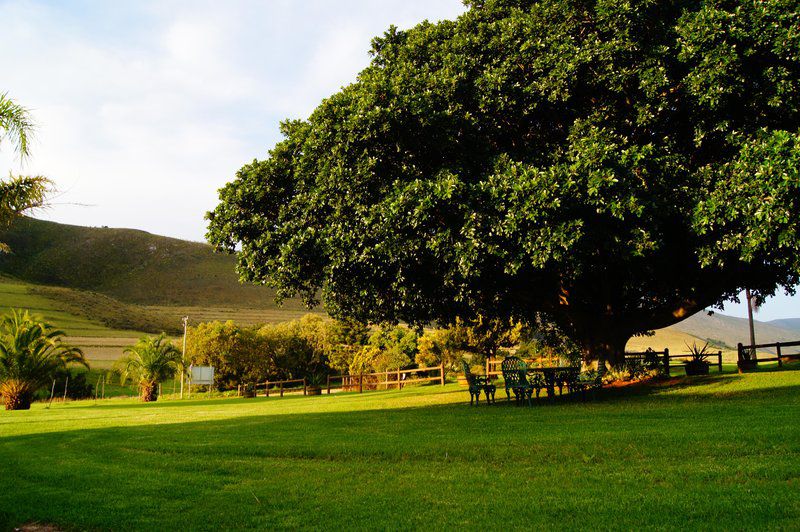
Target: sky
[(145, 109)]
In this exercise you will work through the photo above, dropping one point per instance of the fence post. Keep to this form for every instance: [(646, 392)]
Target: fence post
[(361, 381), (266, 386), (778, 349), (719, 355), (329, 384), (281, 388), (666, 361), (305, 392), (487, 369), (441, 369), (398, 379)]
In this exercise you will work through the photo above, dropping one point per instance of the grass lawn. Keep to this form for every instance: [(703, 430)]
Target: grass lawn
[(721, 452)]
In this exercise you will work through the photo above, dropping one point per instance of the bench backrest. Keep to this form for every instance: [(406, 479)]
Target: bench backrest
[(514, 369), (468, 374)]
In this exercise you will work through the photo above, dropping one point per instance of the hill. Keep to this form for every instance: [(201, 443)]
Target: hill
[(726, 331), (128, 265), (791, 324)]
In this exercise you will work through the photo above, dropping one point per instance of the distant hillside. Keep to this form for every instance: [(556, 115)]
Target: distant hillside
[(791, 324), (129, 265), (727, 331)]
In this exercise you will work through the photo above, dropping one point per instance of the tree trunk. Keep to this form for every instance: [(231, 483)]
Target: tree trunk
[(148, 392), (605, 347)]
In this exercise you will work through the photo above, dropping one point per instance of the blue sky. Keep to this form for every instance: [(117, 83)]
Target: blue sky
[(145, 108)]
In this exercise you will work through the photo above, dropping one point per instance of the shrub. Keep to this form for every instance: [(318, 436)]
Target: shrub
[(78, 387), (439, 347), (31, 351), (152, 360), (237, 353)]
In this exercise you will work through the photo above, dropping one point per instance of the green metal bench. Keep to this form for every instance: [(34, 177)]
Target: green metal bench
[(478, 384), (514, 375)]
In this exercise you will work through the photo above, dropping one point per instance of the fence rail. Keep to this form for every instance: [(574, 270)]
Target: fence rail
[(664, 358), (398, 378), (361, 382), (748, 356)]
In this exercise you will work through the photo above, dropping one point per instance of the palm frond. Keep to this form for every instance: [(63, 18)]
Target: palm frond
[(16, 124), (31, 351)]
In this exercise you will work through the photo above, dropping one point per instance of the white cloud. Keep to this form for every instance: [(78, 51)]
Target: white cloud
[(146, 110)]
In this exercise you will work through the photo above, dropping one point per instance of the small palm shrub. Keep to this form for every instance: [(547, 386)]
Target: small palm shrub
[(31, 353), (698, 364), (151, 360)]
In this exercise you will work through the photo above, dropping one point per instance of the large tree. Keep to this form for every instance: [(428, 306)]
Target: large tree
[(616, 165)]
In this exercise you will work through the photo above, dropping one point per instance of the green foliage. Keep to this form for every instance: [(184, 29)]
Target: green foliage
[(16, 125), (699, 353), (289, 350), (78, 387), (19, 194), (237, 353), (547, 344), (439, 346), (396, 347), (152, 360), (31, 352), (341, 341), (614, 165)]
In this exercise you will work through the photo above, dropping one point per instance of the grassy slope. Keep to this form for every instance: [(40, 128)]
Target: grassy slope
[(128, 265), (718, 453), (730, 330), (792, 324), (16, 294)]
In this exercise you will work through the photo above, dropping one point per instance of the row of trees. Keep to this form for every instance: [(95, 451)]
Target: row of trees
[(33, 353), (313, 346)]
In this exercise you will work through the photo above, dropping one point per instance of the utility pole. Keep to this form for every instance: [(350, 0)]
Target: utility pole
[(750, 319), (185, 321)]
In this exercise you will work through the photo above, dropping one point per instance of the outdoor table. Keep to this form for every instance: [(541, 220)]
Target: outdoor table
[(550, 376)]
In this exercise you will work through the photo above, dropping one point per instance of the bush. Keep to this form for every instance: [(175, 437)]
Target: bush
[(78, 386), (237, 353), (439, 347)]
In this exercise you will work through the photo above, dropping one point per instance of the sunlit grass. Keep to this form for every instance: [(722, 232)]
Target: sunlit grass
[(718, 452)]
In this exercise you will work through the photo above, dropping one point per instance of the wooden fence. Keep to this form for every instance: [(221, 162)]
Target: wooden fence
[(360, 382), (385, 379), (747, 353), (663, 357)]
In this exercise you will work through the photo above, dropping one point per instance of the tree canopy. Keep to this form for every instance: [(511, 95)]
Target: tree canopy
[(615, 165)]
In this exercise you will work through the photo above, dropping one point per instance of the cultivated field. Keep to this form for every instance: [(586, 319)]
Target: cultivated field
[(714, 453)]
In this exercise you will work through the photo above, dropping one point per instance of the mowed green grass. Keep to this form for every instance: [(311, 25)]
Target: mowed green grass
[(715, 453)]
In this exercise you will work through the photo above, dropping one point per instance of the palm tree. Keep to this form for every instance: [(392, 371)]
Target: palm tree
[(31, 351), (17, 125), (152, 360), (19, 194)]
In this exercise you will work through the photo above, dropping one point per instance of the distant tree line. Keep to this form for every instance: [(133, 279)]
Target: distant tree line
[(314, 345)]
